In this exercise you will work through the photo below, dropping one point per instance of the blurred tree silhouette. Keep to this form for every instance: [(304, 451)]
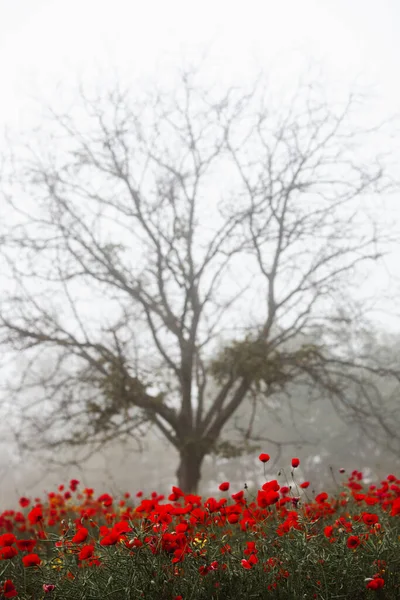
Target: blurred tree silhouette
[(157, 244)]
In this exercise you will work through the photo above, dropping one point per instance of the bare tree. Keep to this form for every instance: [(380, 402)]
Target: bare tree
[(154, 244)]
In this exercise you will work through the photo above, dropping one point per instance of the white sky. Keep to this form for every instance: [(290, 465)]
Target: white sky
[(43, 42), (47, 45)]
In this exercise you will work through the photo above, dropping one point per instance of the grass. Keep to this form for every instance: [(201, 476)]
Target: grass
[(283, 542)]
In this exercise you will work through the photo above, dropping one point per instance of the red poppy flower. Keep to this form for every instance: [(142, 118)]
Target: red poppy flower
[(233, 518), (86, 552), (110, 539), (328, 531), (8, 590), (295, 462), (321, 497), (31, 560), (105, 499), (265, 499), (395, 508), (250, 548), (49, 587), (24, 502), (19, 517), (239, 497), (80, 535), (264, 457), (7, 539), (370, 519), (26, 545), (305, 485), (252, 560), (35, 515), (224, 486), (177, 491), (376, 584), (272, 485), (121, 527), (353, 542), (135, 543), (73, 484), (8, 552)]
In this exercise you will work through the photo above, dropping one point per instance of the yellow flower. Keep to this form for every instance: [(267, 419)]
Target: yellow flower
[(58, 564), (200, 541)]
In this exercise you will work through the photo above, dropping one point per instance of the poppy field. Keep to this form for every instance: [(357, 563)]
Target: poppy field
[(285, 541)]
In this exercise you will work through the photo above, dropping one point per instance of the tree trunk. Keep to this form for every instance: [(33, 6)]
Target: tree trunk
[(189, 470)]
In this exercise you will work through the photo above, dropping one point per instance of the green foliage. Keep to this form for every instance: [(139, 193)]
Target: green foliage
[(119, 392), (118, 386), (255, 360), (227, 449), (276, 553)]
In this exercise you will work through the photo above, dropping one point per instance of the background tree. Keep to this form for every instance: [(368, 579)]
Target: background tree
[(156, 245)]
